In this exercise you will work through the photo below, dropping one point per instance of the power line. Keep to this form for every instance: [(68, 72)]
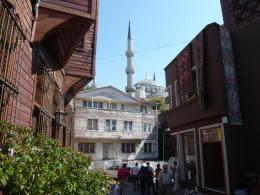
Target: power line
[(145, 50)]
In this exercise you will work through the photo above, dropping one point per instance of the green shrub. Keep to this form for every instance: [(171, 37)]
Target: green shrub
[(41, 166)]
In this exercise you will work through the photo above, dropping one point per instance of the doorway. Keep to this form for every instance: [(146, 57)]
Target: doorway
[(108, 151), (212, 158), (187, 153)]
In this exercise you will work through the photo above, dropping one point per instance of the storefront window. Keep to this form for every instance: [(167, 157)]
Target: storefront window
[(189, 169)]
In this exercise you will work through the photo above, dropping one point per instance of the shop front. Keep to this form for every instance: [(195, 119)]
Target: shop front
[(213, 158), (202, 158), (187, 155)]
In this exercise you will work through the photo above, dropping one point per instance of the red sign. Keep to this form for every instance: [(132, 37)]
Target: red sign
[(184, 75)]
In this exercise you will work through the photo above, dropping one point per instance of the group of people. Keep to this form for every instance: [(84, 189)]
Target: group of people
[(143, 178)]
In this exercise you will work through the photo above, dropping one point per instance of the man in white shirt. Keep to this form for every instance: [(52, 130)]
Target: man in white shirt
[(135, 176), (165, 180)]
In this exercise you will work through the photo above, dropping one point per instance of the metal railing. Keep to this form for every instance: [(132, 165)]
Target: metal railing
[(11, 38)]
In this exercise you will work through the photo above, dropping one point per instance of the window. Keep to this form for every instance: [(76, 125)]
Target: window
[(147, 127), (122, 107), (85, 103), (127, 147), (89, 104), (92, 124), (100, 105), (147, 147), (86, 147), (11, 42), (128, 126), (110, 125), (143, 109), (113, 106)]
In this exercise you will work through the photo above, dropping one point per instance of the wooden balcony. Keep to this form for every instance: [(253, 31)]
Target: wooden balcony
[(61, 25), (80, 68), (83, 8)]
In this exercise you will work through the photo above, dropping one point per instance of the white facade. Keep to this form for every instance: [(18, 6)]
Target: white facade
[(109, 124)]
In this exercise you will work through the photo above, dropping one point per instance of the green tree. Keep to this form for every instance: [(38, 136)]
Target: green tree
[(160, 103), (41, 166), (87, 88)]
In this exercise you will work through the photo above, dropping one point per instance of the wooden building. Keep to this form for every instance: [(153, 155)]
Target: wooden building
[(242, 18), (204, 117), (214, 91), (48, 54)]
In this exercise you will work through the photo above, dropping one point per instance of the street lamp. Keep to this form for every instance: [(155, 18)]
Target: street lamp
[(59, 116), (166, 130)]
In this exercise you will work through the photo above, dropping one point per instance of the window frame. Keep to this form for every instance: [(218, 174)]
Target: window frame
[(113, 106), (128, 147), (110, 125), (147, 127), (91, 126), (87, 147), (127, 126), (148, 147)]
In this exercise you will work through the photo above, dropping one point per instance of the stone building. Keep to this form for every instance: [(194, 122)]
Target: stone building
[(110, 124)]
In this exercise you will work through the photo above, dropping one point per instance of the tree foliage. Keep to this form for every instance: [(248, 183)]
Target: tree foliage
[(162, 105), (40, 166)]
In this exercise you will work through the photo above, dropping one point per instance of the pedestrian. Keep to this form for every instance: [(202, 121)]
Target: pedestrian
[(122, 175), (157, 171), (149, 178), (175, 171), (142, 180), (165, 180), (135, 175)]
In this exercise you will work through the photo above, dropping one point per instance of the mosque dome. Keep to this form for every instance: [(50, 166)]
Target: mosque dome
[(150, 86), (147, 82)]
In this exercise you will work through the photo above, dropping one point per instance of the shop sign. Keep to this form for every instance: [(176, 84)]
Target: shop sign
[(211, 135)]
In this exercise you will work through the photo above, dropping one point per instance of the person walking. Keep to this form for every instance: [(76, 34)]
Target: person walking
[(122, 175), (142, 180), (165, 180), (149, 178), (175, 171), (157, 171), (135, 175)]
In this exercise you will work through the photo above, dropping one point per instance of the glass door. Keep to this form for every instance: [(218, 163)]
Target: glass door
[(188, 156)]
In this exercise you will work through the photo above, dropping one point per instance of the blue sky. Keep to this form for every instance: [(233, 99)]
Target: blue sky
[(160, 29)]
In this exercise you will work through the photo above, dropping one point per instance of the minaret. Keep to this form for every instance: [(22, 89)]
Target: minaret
[(154, 76), (129, 69)]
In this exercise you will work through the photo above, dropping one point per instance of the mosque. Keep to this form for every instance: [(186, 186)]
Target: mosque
[(143, 89)]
